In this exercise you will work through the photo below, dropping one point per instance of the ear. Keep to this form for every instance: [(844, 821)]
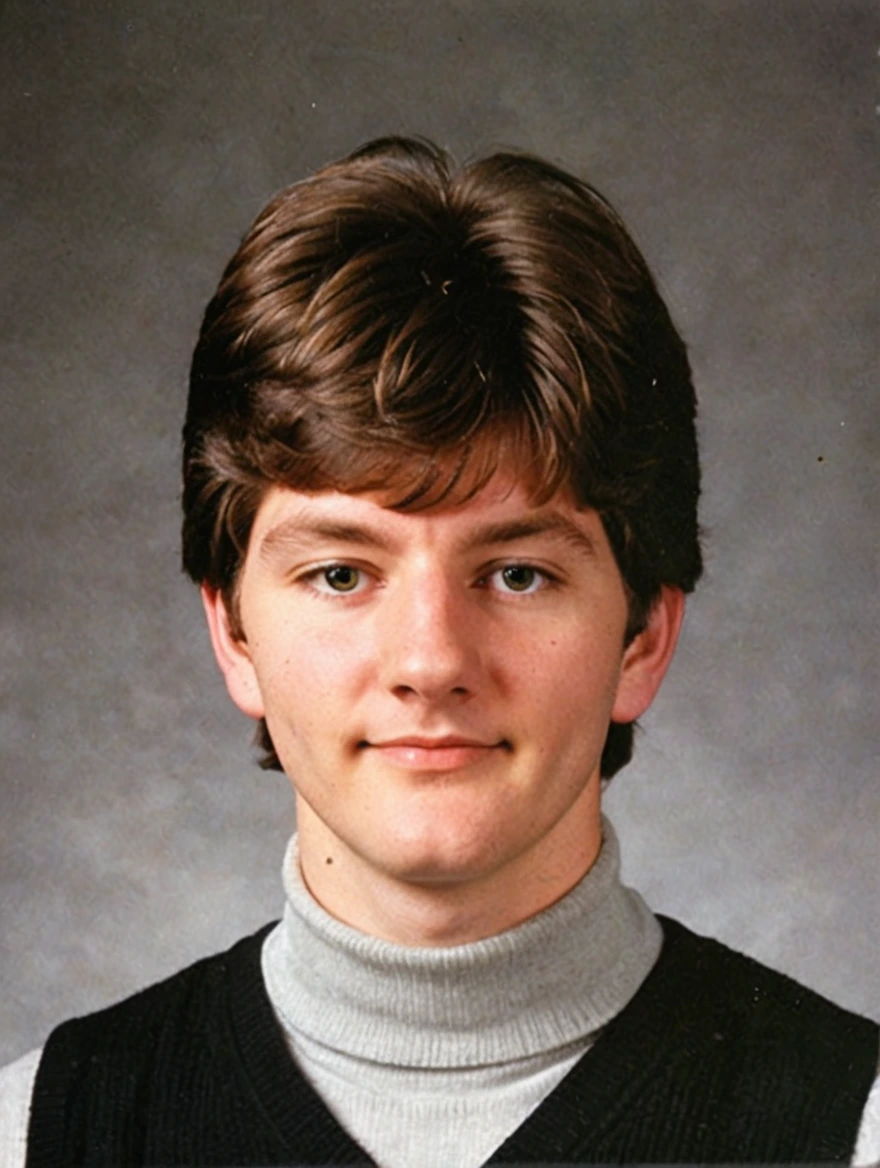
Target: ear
[(232, 655), (647, 657)]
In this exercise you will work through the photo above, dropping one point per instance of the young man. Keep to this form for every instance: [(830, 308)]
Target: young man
[(440, 494)]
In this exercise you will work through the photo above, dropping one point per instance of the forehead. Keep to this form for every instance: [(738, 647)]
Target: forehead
[(502, 511)]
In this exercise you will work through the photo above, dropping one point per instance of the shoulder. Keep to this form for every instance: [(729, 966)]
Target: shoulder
[(178, 1012), (167, 1075), (177, 991), (758, 1062), (755, 1016), (726, 982)]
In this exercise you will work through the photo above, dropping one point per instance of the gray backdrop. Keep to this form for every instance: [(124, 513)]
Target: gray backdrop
[(739, 139)]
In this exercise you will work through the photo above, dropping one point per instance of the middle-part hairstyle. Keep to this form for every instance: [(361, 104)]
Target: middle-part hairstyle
[(394, 324)]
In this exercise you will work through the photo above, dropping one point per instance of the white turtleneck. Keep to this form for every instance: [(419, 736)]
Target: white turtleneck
[(433, 1056)]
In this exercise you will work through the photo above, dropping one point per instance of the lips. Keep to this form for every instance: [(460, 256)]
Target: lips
[(442, 753)]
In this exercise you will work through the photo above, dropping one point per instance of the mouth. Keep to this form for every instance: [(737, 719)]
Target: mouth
[(444, 753)]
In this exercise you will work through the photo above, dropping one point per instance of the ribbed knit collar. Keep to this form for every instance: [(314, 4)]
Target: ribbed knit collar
[(553, 980)]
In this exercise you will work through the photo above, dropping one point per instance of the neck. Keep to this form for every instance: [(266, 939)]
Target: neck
[(457, 907), (558, 977)]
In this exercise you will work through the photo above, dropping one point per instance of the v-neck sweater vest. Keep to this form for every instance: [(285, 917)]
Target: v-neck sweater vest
[(715, 1059)]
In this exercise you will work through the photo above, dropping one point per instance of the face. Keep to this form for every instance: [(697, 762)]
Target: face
[(438, 685)]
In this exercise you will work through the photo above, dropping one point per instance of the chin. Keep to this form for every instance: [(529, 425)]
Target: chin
[(438, 854)]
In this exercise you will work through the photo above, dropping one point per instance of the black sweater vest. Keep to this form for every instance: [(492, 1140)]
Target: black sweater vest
[(715, 1059)]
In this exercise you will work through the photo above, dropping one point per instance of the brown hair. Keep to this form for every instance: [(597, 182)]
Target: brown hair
[(395, 323)]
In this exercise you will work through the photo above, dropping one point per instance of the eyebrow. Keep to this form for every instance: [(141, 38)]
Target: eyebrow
[(297, 532), (301, 532), (550, 523)]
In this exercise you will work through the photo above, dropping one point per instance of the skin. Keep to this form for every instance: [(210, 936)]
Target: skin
[(438, 686)]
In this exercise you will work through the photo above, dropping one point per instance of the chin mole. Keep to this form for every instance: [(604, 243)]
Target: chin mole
[(329, 860)]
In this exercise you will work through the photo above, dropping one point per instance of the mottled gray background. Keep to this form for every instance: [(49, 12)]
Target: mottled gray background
[(740, 140)]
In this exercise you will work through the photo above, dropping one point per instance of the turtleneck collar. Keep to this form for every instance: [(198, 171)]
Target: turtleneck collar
[(553, 980)]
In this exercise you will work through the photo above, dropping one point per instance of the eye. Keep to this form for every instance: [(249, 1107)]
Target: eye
[(340, 577), (519, 578)]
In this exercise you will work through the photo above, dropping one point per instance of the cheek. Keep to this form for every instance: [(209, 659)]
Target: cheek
[(306, 673), (572, 682)]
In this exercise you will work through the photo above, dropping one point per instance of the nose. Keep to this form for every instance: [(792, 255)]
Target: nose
[(430, 647)]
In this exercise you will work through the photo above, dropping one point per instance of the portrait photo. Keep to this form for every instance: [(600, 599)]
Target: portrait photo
[(473, 368)]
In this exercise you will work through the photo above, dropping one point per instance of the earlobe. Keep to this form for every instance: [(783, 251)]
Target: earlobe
[(648, 656), (232, 655)]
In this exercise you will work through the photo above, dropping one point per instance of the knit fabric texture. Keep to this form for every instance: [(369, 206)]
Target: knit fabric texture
[(716, 1059), (433, 1056)]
